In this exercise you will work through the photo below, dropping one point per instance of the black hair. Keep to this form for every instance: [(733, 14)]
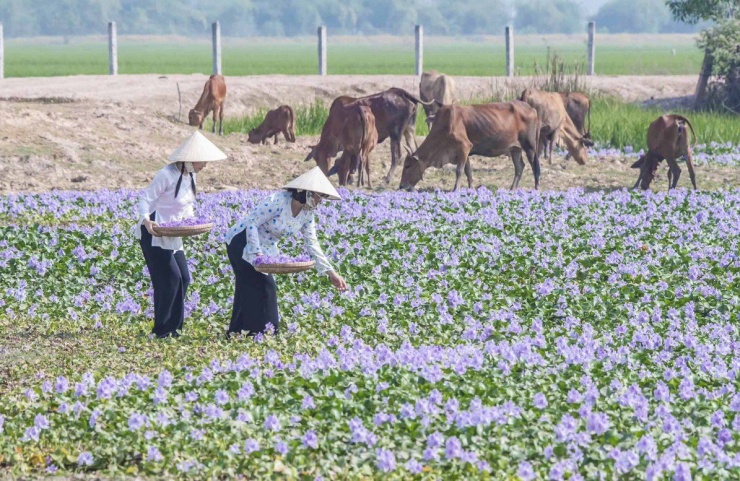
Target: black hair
[(299, 195), (179, 181)]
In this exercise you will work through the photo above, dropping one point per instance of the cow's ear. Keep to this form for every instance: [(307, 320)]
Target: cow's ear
[(310, 154), (587, 142)]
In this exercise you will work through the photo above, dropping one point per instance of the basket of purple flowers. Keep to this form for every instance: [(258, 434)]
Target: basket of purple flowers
[(282, 264), (184, 228)]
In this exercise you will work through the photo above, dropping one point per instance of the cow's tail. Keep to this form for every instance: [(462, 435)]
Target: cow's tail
[(536, 162), (588, 132), (357, 163), (681, 117)]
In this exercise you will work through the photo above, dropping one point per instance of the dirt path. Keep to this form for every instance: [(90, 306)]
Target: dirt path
[(115, 132)]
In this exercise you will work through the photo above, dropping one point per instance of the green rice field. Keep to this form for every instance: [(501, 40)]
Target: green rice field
[(479, 56)]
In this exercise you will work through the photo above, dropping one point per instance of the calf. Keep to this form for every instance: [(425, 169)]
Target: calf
[(555, 122), (489, 130), (212, 99), (395, 117), (667, 138), (280, 120), (358, 139)]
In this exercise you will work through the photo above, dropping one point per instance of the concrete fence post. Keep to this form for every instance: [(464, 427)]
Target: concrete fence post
[(216, 30), (419, 33), (112, 49), (322, 50), (591, 47), (509, 51), (2, 53)]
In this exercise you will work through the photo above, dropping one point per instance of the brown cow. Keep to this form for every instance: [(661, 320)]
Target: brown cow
[(212, 99), (437, 89), (554, 121), (395, 117), (578, 107), (358, 138), (280, 120), (667, 138), (489, 130)]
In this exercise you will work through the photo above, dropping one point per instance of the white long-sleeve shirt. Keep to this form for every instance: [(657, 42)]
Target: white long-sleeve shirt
[(272, 219), (160, 197)]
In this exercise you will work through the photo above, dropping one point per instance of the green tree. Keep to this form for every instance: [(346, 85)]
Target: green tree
[(549, 16), (693, 11)]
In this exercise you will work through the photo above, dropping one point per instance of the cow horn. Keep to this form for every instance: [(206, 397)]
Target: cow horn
[(408, 149), (310, 154)]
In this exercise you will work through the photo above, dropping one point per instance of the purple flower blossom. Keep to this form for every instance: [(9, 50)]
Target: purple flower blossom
[(386, 460)]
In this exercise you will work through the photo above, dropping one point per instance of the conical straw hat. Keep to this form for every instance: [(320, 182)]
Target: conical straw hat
[(196, 148), (315, 181)]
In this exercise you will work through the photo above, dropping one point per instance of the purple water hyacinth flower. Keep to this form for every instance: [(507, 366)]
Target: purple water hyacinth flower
[(386, 460), (310, 440), (525, 471), (41, 422), (281, 447), (682, 473), (308, 402), (280, 259), (272, 423), (190, 222), (32, 434), (453, 448), (251, 446), (221, 397), (539, 401), (414, 467), (85, 459), (153, 455)]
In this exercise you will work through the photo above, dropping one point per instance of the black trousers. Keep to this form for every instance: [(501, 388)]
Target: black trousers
[(170, 280), (255, 295)]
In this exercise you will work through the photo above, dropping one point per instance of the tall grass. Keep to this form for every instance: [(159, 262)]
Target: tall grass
[(613, 122)]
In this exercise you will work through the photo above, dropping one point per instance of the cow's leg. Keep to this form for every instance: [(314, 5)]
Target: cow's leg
[(674, 171), (395, 156), (639, 178), (648, 172), (534, 163), (690, 166), (410, 138), (516, 157), (367, 171), (221, 120), (275, 137), (215, 119), (469, 173), (286, 135)]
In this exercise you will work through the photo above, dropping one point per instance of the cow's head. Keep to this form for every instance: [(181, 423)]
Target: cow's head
[(321, 156), (254, 137), (195, 118), (412, 171)]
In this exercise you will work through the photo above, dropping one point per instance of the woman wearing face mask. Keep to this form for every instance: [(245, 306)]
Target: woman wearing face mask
[(169, 198), (285, 213)]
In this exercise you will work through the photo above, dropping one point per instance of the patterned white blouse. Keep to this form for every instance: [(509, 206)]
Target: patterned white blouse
[(272, 219), (160, 197)]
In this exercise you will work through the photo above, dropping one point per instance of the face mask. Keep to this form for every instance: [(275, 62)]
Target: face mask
[(189, 168), (310, 202)]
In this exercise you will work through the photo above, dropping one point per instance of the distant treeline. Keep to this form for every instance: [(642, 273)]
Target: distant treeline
[(288, 18)]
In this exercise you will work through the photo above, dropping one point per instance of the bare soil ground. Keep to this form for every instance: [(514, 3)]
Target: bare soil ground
[(93, 132)]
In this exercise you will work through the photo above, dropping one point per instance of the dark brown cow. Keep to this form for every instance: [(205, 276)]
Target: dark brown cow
[(212, 99), (395, 117), (667, 138), (358, 138), (280, 120), (489, 130)]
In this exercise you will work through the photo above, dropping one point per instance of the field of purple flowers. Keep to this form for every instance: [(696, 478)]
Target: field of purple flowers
[(502, 335)]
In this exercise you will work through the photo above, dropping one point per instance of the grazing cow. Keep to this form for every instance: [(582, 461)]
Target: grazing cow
[(554, 122), (280, 120), (395, 117), (358, 137), (667, 138), (489, 130), (212, 99), (578, 107), (437, 89)]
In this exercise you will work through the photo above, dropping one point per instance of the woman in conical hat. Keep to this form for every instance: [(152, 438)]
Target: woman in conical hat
[(289, 212), (169, 198)]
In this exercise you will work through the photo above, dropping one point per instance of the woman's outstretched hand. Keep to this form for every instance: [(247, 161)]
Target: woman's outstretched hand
[(337, 281)]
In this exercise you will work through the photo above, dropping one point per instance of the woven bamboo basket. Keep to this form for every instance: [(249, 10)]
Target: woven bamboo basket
[(288, 268), (183, 231)]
